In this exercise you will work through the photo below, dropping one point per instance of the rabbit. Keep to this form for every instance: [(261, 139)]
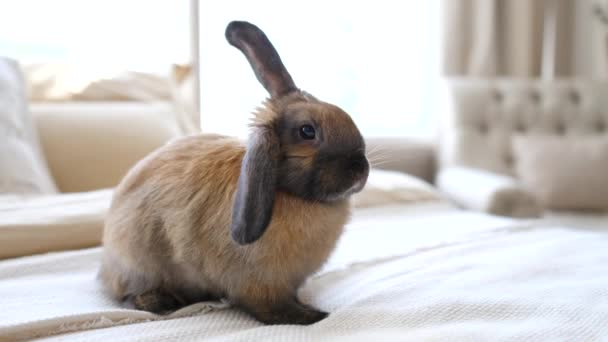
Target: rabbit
[(208, 217)]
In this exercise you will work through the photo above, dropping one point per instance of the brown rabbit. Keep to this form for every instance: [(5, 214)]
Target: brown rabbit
[(207, 217)]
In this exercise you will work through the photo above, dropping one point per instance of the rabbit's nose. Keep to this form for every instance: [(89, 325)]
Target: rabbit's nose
[(358, 163)]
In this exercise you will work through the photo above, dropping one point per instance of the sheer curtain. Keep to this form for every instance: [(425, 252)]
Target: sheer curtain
[(378, 60), (529, 39)]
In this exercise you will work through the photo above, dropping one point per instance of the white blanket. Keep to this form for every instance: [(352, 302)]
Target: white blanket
[(38, 224), (400, 273)]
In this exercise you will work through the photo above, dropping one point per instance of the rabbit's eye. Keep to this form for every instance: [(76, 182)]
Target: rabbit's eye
[(307, 132)]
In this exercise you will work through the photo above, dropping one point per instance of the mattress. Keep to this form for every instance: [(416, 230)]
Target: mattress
[(400, 273)]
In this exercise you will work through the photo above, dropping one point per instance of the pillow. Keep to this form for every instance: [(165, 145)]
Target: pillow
[(569, 173), (61, 82), (390, 187), (183, 85), (23, 169)]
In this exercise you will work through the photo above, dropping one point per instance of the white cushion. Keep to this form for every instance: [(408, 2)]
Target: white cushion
[(23, 168), (65, 82), (487, 191), (391, 187)]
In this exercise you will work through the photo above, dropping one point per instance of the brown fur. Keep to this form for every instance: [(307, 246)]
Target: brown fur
[(207, 217)]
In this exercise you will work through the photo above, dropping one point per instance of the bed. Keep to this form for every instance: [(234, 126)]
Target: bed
[(403, 270)]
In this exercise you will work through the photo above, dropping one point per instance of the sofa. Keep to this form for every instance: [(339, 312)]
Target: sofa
[(59, 161), (88, 148)]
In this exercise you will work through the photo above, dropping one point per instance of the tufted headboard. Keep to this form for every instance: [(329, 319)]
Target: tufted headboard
[(484, 115)]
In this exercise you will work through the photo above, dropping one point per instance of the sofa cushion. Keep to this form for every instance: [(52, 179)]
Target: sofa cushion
[(564, 173), (23, 169), (91, 145)]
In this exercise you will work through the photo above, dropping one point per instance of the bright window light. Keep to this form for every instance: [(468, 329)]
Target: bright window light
[(378, 60), (136, 35)]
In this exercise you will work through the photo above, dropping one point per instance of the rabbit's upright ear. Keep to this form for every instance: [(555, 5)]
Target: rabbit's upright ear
[(255, 193), (262, 56)]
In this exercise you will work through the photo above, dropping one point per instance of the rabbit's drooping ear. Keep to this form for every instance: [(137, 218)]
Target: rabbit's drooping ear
[(254, 197), (262, 56)]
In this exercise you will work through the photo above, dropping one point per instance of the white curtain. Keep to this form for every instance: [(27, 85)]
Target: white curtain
[(378, 60)]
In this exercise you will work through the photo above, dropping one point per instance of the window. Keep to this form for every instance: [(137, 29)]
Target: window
[(138, 35), (378, 60)]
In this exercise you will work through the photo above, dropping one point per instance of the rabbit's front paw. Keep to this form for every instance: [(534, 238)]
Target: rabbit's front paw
[(157, 301), (291, 312)]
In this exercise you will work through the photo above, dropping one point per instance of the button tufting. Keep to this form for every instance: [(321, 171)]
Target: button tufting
[(520, 127), (600, 126), (560, 128), (497, 95), (575, 97), (535, 96), (483, 127)]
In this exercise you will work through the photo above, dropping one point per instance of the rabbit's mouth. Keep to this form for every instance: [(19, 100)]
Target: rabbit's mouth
[(358, 172), (353, 189), (330, 178), (358, 186)]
